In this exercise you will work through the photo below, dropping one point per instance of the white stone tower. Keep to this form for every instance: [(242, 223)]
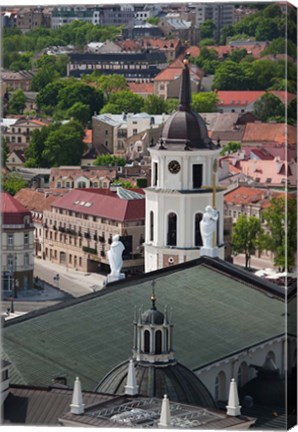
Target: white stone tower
[(183, 184)]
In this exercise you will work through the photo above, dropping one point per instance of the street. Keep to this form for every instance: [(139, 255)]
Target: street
[(70, 281)]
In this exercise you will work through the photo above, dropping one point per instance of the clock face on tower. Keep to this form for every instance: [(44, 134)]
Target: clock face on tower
[(174, 167)]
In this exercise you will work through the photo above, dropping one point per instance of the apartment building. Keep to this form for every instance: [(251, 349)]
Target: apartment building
[(79, 228), (17, 245), (17, 80), (134, 66), (30, 18), (221, 14), (71, 177), (113, 130), (63, 15), (18, 134)]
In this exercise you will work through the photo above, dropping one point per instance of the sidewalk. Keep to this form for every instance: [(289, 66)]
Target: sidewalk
[(44, 293)]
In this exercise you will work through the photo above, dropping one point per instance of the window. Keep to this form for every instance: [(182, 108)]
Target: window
[(220, 386), (26, 260), (172, 230), (146, 341), (155, 173), (135, 131), (197, 176), (106, 132), (26, 240), (151, 236), (158, 340), (243, 373), (198, 236), (10, 241), (10, 262)]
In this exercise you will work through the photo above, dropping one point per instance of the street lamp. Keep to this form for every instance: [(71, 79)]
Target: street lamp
[(57, 279)]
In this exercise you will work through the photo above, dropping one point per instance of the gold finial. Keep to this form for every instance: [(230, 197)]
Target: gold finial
[(153, 296), (185, 61)]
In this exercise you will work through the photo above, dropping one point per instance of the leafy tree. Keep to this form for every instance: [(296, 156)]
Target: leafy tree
[(231, 147), (21, 62), (17, 102), (4, 152), (237, 55), (246, 235), (77, 91), (109, 160), (13, 183), (123, 183), (268, 106), (292, 111), (204, 102), (228, 76), (207, 29), (64, 145), (79, 112), (171, 105), (281, 46), (34, 152), (267, 29), (44, 76), (154, 105), (111, 83), (47, 98), (281, 214), (284, 84), (207, 41), (124, 101), (153, 20)]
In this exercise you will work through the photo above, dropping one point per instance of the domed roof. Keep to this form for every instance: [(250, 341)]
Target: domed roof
[(185, 126), (152, 316), (175, 380)]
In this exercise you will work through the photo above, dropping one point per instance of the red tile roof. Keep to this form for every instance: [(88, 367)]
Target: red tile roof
[(104, 203), (88, 136), (174, 71), (270, 132), (39, 200), (13, 211), (162, 44), (245, 195), (130, 45), (193, 51), (141, 88), (254, 48), (247, 97)]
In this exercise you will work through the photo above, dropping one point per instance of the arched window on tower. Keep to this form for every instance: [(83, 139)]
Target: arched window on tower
[(146, 341), (172, 230), (158, 341), (198, 237), (151, 237)]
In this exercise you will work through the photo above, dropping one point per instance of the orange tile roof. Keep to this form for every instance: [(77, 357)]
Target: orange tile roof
[(39, 122), (270, 132), (141, 87), (161, 43), (174, 71), (245, 195), (130, 45), (254, 48), (193, 51), (39, 200), (247, 97)]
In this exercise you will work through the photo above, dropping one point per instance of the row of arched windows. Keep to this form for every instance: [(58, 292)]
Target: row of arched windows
[(172, 229), (157, 348)]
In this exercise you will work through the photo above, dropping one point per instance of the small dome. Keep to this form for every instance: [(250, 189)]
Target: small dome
[(175, 380), (188, 126), (152, 316)]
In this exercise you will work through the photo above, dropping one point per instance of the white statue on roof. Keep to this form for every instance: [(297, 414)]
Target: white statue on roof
[(115, 259), (208, 226)]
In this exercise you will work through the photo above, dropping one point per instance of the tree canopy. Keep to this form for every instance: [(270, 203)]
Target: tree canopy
[(268, 107), (109, 160), (246, 235), (123, 101), (231, 147), (13, 182), (204, 102), (17, 102), (207, 29)]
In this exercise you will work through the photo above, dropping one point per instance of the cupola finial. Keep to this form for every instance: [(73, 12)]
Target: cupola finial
[(185, 90), (153, 296)]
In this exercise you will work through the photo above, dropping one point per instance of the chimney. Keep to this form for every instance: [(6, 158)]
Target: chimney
[(131, 387), (165, 414), (233, 407), (77, 406)]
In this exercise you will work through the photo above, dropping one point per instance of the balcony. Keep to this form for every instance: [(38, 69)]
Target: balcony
[(89, 250)]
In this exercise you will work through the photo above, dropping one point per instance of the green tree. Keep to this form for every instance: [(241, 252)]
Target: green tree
[(124, 101), (34, 152), (228, 76), (153, 20), (4, 152), (154, 105), (80, 112), (21, 62), (207, 41), (237, 55), (111, 83), (77, 91), (246, 235), (171, 105), (64, 145), (280, 216), (109, 160), (123, 183), (207, 29), (292, 111), (281, 46), (231, 147), (204, 102), (47, 98), (268, 106), (44, 76), (13, 183), (17, 102)]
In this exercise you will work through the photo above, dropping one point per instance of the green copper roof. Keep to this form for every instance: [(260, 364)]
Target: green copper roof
[(214, 315)]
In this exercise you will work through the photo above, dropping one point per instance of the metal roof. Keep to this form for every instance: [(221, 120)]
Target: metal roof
[(225, 310)]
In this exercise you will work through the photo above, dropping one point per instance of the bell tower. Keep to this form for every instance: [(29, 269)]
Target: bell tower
[(183, 184)]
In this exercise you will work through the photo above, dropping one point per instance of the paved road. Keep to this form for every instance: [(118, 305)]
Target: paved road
[(256, 263), (70, 281), (26, 306)]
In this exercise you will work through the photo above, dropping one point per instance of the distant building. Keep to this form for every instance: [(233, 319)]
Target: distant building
[(17, 246), (134, 66), (78, 229), (113, 130), (69, 177), (63, 15), (30, 18), (15, 159), (172, 25), (221, 14), (17, 80), (141, 30), (18, 135)]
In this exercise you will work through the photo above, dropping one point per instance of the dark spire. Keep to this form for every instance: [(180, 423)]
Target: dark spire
[(185, 90), (153, 296)]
